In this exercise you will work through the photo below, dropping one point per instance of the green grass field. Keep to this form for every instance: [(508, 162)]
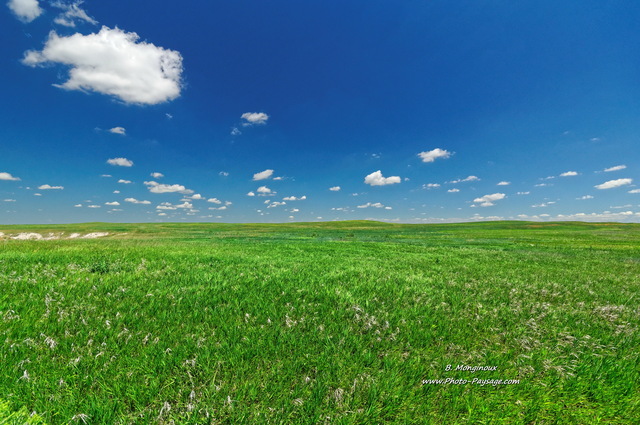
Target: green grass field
[(321, 323)]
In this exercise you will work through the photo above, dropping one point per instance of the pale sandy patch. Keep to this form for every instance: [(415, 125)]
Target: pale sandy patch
[(94, 235), (27, 236), (74, 235)]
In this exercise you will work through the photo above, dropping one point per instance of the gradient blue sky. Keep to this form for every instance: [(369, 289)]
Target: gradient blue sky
[(417, 111)]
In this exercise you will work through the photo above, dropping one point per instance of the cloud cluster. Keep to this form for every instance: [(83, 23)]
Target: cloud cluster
[(251, 118), (293, 198), (432, 155), (614, 183), (488, 200), (377, 179), (25, 10), (7, 176), (121, 162), (374, 205), (115, 63), (263, 175), (155, 187)]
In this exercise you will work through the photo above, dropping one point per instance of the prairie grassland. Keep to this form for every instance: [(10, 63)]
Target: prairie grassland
[(321, 323)]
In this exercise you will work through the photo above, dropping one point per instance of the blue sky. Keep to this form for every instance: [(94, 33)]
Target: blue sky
[(250, 111)]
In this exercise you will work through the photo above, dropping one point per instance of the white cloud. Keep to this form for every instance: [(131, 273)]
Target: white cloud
[(431, 186), (264, 190), (262, 175), (542, 185), (157, 175), (295, 210), (115, 203), (276, 204), (186, 205), (9, 200), (71, 13), (214, 201), (155, 187), (94, 206), (503, 183), (196, 197), (616, 168), (569, 174), (542, 205), (135, 201), (376, 179), (123, 181), (37, 194), (7, 176), (78, 205), (223, 174), (634, 191), (370, 205), (584, 197), (467, 179), (251, 194), (614, 183), (523, 193), (118, 130), (488, 200), (293, 198), (49, 187), (114, 63), (25, 10), (122, 162), (106, 175), (235, 131), (116, 191), (432, 155), (254, 118), (335, 188), (454, 190)]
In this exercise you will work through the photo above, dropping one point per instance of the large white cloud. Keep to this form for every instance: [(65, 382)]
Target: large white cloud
[(7, 176), (614, 183), (430, 156), (115, 63), (377, 179), (254, 118), (122, 162), (25, 10), (488, 200), (262, 175), (155, 187)]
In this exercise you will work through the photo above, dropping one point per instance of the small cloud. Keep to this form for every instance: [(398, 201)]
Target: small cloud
[(542, 205), (634, 191), (251, 194), (431, 156), (9, 200), (214, 201), (376, 179), (77, 206), (252, 118), (370, 205), (276, 204), (542, 185), (195, 197), (135, 201), (121, 162), (431, 186), (94, 206), (118, 130), (116, 191), (25, 10), (569, 174), (335, 188), (37, 194), (488, 200), (584, 197), (106, 175), (616, 168), (70, 13), (157, 175), (264, 191), (7, 176), (614, 183), (262, 175), (523, 193), (235, 131), (466, 179), (454, 190), (169, 116), (123, 181), (49, 187), (503, 183), (293, 198), (223, 174), (155, 187), (115, 203)]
